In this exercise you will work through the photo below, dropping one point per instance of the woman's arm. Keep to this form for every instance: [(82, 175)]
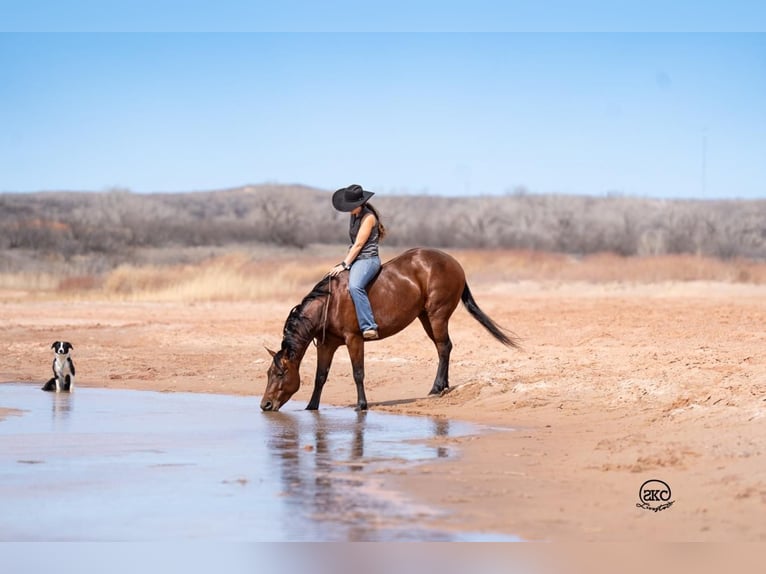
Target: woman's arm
[(368, 223)]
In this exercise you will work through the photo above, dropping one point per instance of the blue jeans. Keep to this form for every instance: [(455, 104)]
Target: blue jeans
[(362, 272)]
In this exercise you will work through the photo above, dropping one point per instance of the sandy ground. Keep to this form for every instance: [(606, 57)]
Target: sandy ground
[(616, 384)]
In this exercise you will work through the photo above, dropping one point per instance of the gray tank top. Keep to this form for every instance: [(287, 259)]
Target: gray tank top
[(370, 248)]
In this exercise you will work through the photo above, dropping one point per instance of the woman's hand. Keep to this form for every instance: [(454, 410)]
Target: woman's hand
[(338, 269)]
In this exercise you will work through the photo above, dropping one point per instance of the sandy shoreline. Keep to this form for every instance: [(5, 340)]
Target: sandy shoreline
[(616, 384)]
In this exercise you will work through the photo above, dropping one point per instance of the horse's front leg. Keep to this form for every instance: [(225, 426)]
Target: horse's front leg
[(325, 353), (356, 353)]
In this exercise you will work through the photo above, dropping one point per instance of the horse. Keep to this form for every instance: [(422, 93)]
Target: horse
[(426, 284)]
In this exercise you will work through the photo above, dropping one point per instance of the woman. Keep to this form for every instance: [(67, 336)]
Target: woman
[(362, 260)]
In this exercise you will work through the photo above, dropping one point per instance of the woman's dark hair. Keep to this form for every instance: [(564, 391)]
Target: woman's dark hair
[(382, 232)]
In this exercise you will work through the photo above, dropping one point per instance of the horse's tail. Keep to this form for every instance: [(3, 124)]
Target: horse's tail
[(503, 335)]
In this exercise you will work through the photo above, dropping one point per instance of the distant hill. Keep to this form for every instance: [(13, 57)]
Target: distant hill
[(116, 221)]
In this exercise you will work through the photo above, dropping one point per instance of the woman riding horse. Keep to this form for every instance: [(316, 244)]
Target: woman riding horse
[(362, 260), (420, 283)]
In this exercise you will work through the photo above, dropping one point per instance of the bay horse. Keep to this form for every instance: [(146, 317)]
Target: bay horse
[(420, 283)]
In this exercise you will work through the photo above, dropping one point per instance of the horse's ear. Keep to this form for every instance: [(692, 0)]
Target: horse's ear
[(272, 353)]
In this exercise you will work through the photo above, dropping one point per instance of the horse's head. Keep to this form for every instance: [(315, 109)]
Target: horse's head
[(284, 381)]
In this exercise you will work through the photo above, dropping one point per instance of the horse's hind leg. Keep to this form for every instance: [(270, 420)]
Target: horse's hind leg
[(437, 331)]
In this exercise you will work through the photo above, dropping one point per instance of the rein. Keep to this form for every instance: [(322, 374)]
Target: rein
[(324, 313)]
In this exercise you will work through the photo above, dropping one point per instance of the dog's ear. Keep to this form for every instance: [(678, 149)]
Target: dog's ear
[(70, 345), (53, 346)]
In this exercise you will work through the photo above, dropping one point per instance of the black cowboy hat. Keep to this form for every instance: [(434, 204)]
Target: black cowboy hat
[(351, 197)]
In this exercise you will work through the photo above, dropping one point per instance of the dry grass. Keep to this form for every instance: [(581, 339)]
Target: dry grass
[(29, 281), (237, 275), (508, 265), (226, 278)]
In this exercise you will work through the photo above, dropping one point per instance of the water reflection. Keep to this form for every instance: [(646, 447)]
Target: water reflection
[(313, 457), (357, 446), (62, 406), (441, 430), (321, 459)]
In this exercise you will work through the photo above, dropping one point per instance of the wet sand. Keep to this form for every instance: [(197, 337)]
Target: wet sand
[(617, 384), (8, 413)]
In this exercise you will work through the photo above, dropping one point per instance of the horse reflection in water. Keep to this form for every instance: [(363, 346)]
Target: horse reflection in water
[(322, 464), (423, 284), (441, 430)]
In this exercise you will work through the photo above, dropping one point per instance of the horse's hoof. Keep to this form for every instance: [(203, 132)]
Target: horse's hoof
[(361, 407)]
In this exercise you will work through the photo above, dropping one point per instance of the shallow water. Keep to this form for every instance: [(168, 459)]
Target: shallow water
[(102, 464)]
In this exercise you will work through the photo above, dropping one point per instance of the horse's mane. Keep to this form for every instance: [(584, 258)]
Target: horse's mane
[(297, 330)]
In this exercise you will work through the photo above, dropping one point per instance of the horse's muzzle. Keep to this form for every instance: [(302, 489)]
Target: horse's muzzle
[(269, 406)]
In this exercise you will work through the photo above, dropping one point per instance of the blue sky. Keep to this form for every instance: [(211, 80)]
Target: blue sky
[(671, 114)]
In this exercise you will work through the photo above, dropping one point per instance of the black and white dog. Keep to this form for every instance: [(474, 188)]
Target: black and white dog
[(63, 368)]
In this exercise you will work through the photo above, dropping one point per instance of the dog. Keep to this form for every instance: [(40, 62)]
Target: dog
[(63, 368)]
